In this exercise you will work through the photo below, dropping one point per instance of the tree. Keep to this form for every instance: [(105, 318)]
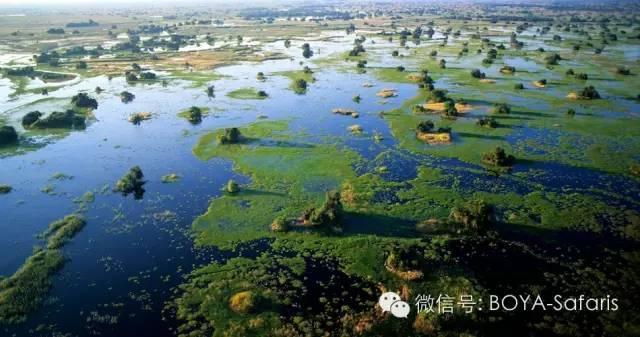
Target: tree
[(132, 182), (195, 115), (518, 86), (229, 136), (81, 65), (232, 187), (82, 100), (329, 214), (8, 135), (210, 91), (623, 71), (126, 97), (582, 76), (589, 93), (571, 112), (131, 77), (450, 108), (442, 63), (425, 126), (306, 51), (147, 75), (30, 118), (502, 108), (300, 85), (498, 157), (438, 95), (475, 215), (260, 76), (487, 122), (476, 73), (287, 43)]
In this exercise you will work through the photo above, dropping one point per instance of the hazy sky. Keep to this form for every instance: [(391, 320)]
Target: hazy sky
[(31, 3)]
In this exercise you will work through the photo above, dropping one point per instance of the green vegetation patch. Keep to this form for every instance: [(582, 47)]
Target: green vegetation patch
[(26, 289), (288, 176), (248, 93)]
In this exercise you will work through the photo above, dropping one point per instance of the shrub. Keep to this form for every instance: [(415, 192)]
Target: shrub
[(279, 224), (571, 112), (300, 85), (243, 302), (518, 86), (4, 189)]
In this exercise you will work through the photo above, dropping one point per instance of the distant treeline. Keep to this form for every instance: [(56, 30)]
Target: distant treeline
[(315, 11), (89, 23)]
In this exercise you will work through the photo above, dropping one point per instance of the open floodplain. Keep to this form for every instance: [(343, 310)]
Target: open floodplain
[(222, 171)]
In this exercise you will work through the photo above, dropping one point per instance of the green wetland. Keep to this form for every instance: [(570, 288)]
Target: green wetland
[(256, 172)]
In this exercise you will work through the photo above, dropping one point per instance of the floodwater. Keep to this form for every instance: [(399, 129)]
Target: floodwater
[(123, 265)]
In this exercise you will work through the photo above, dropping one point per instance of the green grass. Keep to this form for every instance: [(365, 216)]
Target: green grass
[(246, 93), (288, 176)]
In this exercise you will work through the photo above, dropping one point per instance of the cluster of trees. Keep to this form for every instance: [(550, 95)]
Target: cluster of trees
[(55, 31), (327, 215), (552, 59), (623, 71), (56, 120), (487, 122), (589, 93), (89, 23), (8, 135), (499, 158), (229, 136), (475, 215), (132, 182), (492, 54), (82, 100), (502, 108), (428, 127)]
